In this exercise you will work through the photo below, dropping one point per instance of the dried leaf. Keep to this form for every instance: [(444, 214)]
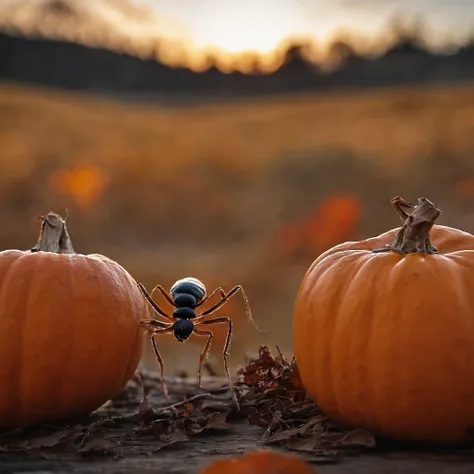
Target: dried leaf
[(309, 444), (49, 440), (295, 378), (145, 411), (188, 409), (212, 404), (217, 421), (358, 438), (97, 445), (48, 455), (175, 436)]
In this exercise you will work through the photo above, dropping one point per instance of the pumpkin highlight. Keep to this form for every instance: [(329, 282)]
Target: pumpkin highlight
[(69, 334), (383, 330)]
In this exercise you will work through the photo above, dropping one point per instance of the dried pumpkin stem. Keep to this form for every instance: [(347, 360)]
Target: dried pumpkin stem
[(54, 236), (398, 203), (414, 236)]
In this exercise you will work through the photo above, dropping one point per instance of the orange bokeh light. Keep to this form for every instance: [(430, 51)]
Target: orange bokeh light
[(333, 221), (85, 183)]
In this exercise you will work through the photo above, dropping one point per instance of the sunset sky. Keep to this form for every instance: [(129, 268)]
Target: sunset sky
[(261, 24), (189, 32)]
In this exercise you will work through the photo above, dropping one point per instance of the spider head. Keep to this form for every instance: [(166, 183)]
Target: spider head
[(182, 329)]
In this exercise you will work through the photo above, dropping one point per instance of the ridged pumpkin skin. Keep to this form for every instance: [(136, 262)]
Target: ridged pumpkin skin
[(69, 335), (385, 341)]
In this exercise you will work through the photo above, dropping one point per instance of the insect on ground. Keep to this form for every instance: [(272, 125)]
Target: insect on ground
[(186, 296)]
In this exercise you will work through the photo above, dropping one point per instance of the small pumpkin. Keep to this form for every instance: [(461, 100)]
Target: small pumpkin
[(69, 334), (383, 330), (259, 462)]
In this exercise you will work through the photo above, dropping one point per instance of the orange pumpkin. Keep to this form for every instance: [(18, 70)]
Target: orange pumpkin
[(260, 462), (383, 330), (69, 334)]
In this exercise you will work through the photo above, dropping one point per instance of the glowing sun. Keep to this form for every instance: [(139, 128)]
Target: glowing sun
[(243, 26)]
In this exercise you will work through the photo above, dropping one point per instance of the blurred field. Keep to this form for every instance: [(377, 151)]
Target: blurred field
[(235, 193)]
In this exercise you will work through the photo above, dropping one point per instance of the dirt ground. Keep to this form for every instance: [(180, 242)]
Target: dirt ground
[(141, 432)]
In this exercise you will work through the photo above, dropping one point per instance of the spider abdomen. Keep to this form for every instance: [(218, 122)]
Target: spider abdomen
[(191, 286), (184, 299), (184, 313)]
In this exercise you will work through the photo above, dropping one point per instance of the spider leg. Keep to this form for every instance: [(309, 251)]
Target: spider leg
[(207, 298), (225, 353), (158, 356), (204, 352), (153, 304), (224, 300), (153, 323), (164, 293)]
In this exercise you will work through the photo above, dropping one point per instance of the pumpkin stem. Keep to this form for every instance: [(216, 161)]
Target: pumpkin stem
[(414, 236), (398, 203), (54, 236)]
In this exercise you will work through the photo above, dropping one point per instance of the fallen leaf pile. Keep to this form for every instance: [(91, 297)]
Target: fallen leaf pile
[(134, 423), (140, 421), (275, 400)]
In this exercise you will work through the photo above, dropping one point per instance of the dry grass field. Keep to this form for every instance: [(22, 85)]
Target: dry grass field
[(244, 193)]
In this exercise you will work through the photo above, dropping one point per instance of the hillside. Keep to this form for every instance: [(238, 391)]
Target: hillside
[(70, 65)]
